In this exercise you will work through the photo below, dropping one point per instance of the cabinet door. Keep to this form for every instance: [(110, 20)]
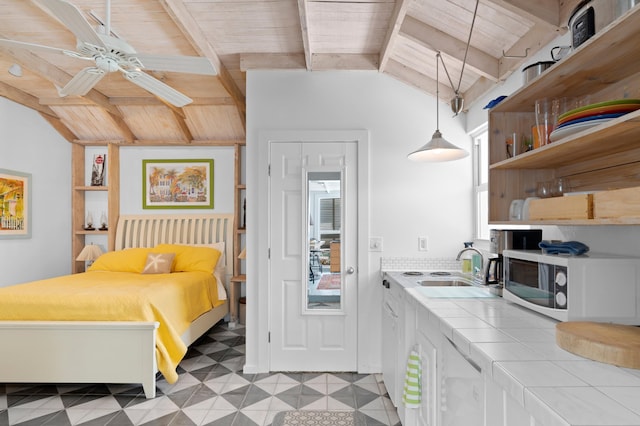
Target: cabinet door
[(426, 413), (494, 404), (390, 346), (515, 414), (503, 410), (462, 394)]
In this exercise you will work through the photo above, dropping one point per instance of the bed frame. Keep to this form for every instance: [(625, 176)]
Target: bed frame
[(111, 352)]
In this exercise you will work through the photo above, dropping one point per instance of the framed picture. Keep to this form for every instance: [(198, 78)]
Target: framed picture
[(177, 184), (15, 204)]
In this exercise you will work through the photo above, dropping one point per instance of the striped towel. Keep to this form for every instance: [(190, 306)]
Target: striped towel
[(413, 381)]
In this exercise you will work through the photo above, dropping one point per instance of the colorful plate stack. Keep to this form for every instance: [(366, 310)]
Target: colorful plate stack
[(583, 118)]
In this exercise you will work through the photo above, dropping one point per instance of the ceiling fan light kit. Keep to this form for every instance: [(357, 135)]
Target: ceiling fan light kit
[(15, 70), (112, 54)]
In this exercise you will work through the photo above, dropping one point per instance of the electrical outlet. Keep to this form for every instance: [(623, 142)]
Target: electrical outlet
[(423, 244), (375, 243)]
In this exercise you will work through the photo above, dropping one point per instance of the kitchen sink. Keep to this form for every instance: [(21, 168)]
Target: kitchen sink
[(444, 283)]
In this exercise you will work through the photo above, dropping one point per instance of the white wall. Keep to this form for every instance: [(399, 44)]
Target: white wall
[(131, 180), (30, 145), (607, 239), (131, 176), (407, 199)]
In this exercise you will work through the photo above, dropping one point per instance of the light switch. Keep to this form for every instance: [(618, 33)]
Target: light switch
[(375, 243), (423, 244)]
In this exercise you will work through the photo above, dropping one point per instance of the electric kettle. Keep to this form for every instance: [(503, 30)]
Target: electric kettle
[(493, 274)]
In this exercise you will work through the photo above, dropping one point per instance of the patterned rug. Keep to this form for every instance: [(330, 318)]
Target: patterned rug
[(318, 418), (329, 282)]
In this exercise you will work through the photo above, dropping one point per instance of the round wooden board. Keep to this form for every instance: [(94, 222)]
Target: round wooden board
[(610, 343)]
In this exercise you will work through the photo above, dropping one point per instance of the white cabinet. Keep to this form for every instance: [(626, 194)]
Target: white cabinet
[(462, 388), (391, 330), (501, 409), (426, 414)]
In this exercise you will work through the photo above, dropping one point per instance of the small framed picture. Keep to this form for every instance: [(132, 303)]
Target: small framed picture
[(177, 184), (15, 204)]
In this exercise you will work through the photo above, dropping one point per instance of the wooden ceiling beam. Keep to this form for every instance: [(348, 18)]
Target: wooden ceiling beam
[(272, 61), (56, 76), (124, 128), (131, 101), (23, 98), (59, 78), (530, 43), (479, 88), (542, 12), (398, 16), (181, 16), (173, 142), (320, 61), (420, 81), (345, 61), (478, 61), (304, 26), (60, 127), (181, 120)]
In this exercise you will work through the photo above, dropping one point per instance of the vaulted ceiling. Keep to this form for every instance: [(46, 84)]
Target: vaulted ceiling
[(396, 37)]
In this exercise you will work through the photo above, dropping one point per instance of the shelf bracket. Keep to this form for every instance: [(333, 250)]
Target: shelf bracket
[(526, 53)]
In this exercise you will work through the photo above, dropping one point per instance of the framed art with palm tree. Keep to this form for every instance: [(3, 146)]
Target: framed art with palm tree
[(177, 184), (15, 204)]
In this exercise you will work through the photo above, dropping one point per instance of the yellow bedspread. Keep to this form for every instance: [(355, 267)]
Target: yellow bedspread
[(173, 300)]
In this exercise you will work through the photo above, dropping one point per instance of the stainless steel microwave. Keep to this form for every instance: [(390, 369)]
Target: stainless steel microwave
[(591, 287)]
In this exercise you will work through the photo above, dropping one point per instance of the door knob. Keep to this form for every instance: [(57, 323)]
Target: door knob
[(350, 270)]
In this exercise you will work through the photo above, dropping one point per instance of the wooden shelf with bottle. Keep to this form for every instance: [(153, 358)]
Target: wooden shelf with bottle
[(601, 158), (80, 188), (240, 230)]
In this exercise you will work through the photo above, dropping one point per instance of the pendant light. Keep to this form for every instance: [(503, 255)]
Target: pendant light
[(438, 148)]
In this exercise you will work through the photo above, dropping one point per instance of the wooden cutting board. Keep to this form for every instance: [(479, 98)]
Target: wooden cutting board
[(610, 343)]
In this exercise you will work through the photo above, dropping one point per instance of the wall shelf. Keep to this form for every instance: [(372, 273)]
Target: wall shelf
[(112, 190), (601, 158)]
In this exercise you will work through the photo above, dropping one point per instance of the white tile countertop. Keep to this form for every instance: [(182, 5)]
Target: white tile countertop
[(516, 347)]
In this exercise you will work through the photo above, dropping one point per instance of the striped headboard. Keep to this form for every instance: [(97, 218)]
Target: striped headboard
[(150, 230)]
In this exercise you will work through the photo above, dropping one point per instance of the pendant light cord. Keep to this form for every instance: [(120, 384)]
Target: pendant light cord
[(464, 60), (438, 93)]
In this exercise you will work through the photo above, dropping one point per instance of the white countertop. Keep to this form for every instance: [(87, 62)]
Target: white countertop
[(517, 348)]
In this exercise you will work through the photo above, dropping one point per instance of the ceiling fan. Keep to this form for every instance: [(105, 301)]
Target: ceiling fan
[(111, 54)]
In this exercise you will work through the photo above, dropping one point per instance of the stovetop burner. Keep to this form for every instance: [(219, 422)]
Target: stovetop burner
[(412, 273), (440, 274)]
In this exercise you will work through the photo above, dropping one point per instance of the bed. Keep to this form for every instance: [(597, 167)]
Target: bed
[(111, 351)]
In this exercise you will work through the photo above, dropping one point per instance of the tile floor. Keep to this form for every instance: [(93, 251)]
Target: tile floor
[(212, 390)]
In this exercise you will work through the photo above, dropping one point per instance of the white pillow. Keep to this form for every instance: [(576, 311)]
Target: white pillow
[(220, 272)]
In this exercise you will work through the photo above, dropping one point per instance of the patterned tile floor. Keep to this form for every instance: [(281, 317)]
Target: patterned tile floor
[(212, 390)]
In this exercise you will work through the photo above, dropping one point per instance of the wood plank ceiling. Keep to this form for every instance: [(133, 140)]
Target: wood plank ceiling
[(396, 37)]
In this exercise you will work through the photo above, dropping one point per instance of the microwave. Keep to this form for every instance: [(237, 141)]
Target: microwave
[(590, 287)]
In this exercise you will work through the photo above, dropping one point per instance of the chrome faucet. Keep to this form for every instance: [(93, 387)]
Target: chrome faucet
[(478, 272)]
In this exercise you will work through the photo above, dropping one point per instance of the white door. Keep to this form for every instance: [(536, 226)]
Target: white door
[(313, 287)]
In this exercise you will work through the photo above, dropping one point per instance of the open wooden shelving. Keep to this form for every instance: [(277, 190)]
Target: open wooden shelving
[(601, 158)]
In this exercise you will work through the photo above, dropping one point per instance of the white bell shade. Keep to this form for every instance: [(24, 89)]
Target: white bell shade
[(438, 149)]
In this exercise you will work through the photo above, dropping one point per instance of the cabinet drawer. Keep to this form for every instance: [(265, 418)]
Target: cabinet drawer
[(560, 208), (618, 203)]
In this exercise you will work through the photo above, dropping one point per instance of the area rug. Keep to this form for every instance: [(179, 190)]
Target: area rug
[(318, 418), (329, 282)]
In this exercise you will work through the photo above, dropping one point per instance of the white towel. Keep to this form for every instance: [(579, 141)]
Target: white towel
[(412, 394)]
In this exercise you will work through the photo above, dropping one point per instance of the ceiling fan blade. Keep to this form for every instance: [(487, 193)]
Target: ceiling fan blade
[(35, 48), (74, 20), (185, 64), (157, 88), (82, 82)]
